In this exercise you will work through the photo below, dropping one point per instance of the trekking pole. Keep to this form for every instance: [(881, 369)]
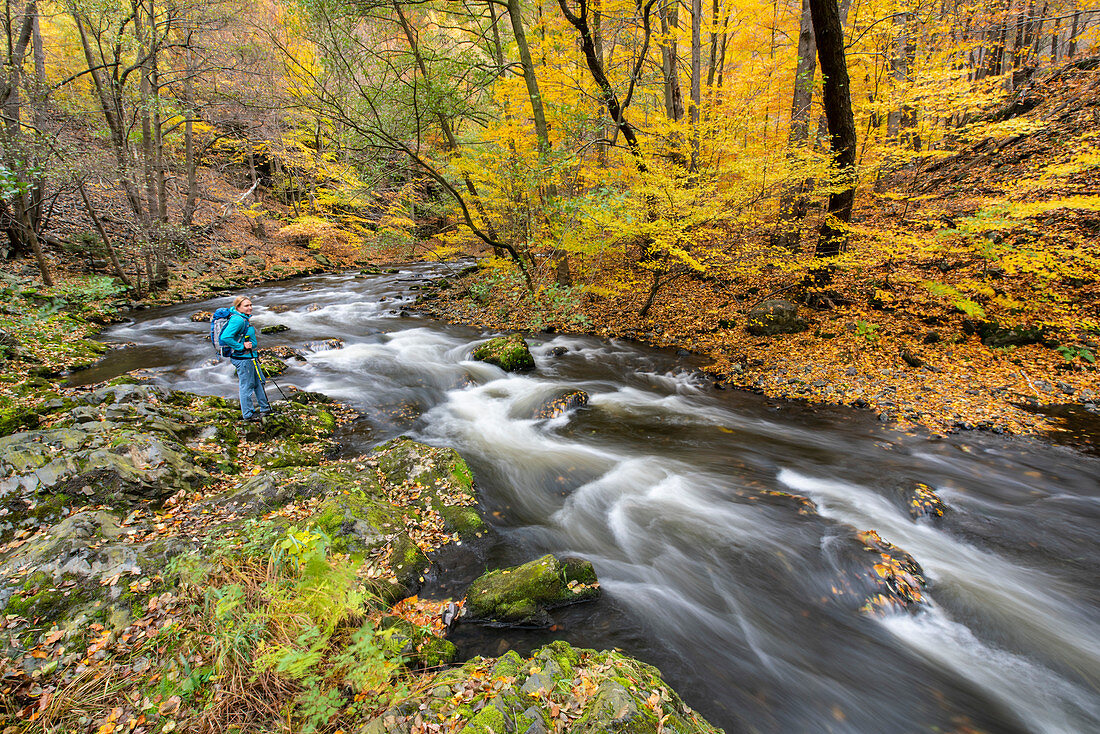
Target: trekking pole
[(264, 378)]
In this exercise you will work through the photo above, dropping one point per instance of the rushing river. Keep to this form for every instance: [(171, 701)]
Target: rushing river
[(658, 482)]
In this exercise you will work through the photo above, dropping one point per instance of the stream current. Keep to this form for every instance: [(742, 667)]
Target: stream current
[(657, 482)]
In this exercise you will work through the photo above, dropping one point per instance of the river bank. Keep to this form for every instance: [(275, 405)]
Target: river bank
[(941, 378)]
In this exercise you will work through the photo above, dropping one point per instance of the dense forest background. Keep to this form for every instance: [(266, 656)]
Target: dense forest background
[(658, 166)]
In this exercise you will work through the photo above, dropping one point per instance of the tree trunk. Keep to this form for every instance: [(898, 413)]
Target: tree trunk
[(537, 110), (674, 100), (1054, 40), (822, 137), (444, 122), (116, 266), (794, 202), (1071, 48), (836, 98), (713, 44), (899, 68), (106, 93), (696, 77), (22, 230), (191, 201)]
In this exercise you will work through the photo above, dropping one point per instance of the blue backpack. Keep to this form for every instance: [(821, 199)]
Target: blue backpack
[(217, 323)]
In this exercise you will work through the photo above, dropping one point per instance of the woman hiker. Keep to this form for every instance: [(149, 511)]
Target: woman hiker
[(240, 336)]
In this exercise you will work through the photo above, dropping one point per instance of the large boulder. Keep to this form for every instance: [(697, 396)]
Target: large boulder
[(510, 353), (522, 595), (441, 477), (776, 316)]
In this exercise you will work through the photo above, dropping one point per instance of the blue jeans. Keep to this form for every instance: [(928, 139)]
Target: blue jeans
[(249, 383)]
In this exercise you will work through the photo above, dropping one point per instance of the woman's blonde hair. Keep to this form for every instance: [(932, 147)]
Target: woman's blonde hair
[(239, 300)]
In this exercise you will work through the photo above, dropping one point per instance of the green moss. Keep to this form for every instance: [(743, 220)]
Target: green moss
[(509, 665), (407, 561), (15, 417), (522, 594), (510, 353), (490, 720), (41, 597), (463, 520), (436, 651), (564, 655)]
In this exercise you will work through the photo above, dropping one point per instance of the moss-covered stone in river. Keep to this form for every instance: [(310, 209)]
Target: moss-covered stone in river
[(510, 353), (521, 595)]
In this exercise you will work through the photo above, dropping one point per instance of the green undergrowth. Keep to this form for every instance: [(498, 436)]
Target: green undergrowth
[(277, 611)]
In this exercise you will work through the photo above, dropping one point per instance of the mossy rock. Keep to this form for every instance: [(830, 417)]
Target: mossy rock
[(417, 646), (621, 700), (521, 595), (357, 521), (295, 421), (75, 565), (408, 563), (305, 397), (445, 480), (275, 488), (274, 329), (510, 353)]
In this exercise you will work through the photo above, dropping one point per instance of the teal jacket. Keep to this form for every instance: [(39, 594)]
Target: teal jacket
[(236, 332)]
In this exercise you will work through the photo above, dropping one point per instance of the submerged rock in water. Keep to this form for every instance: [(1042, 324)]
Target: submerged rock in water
[(521, 595), (510, 353), (876, 575), (563, 403), (923, 501)]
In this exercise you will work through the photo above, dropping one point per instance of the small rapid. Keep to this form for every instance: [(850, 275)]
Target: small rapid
[(676, 493)]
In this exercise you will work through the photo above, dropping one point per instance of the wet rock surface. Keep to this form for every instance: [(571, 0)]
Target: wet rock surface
[(523, 595), (510, 353), (561, 404)]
